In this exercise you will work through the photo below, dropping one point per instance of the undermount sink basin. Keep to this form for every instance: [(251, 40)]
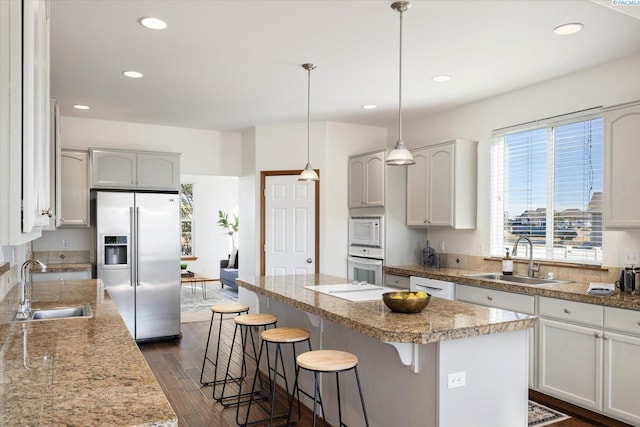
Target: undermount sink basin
[(519, 280), (79, 312)]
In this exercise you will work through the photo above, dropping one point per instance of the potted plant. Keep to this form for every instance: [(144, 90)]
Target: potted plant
[(230, 227)]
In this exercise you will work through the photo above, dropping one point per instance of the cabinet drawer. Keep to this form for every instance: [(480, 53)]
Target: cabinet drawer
[(622, 320), (499, 299), (401, 282), (572, 311)]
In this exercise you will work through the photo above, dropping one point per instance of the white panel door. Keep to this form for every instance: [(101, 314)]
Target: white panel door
[(289, 226)]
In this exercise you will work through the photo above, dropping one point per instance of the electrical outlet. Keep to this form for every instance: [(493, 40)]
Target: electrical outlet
[(441, 245), (65, 244), (459, 379)]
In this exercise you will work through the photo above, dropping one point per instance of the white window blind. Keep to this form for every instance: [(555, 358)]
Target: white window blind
[(546, 185)]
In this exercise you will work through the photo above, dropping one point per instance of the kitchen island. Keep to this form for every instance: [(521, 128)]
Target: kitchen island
[(453, 364), (82, 371)]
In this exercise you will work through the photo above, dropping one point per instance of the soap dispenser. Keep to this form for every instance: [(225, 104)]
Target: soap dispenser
[(507, 264)]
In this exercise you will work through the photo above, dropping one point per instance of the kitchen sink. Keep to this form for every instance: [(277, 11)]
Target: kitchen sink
[(520, 280), (81, 312)]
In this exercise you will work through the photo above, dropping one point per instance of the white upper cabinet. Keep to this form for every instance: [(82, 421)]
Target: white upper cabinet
[(36, 147), (621, 178), (441, 186), (25, 158), (73, 189), (366, 180), (135, 170)]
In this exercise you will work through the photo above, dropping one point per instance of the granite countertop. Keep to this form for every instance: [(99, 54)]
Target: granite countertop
[(64, 267), (440, 320), (77, 371), (574, 291)]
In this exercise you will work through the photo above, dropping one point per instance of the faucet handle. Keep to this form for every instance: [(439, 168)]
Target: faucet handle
[(535, 268)]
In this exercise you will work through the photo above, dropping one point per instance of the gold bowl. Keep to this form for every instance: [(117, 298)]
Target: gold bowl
[(399, 302)]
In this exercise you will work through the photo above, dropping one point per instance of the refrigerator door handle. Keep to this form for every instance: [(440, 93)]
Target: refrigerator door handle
[(137, 245), (132, 255)]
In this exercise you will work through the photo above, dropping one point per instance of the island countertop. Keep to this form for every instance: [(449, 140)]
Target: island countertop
[(441, 320), (76, 371)]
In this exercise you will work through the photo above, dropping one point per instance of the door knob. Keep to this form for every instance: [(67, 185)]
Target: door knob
[(309, 260), (47, 212)]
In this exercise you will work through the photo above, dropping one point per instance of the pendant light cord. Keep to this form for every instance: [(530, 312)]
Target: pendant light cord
[(308, 112), (400, 83)]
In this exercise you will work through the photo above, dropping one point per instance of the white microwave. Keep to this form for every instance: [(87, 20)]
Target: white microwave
[(366, 231)]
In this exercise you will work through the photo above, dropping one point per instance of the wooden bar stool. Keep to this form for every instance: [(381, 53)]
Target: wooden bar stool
[(222, 309), (245, 324), (319, 361), (277, 336)]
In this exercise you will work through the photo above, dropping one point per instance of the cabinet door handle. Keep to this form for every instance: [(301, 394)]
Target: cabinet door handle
[(490, 298), (598, 335), (47, 212), (567, 311)]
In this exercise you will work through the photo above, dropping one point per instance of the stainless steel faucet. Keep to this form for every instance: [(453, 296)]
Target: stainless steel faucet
[(532, 270), (24, 308)]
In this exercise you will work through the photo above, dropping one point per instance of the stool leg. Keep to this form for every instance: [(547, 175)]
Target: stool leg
[(226, 374), (251, 394), (340, 423), (206, 349), (364, 410)]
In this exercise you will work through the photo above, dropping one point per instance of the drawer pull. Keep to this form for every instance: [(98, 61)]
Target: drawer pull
[(490, 298), (567, 311)]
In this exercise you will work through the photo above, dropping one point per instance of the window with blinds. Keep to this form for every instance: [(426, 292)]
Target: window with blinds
[(186, 219), (546, 185)]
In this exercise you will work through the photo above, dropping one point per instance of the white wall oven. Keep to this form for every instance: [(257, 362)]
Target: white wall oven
[(366, 249)]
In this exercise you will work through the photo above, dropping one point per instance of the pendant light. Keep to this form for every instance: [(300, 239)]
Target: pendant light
[(308, 174), (400, 156)]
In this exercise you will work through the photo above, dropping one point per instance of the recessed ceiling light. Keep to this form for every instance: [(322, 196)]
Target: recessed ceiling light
[(132, 74), (442, 78), (567, 29), (152, 23), (369, 107), (80, 107)]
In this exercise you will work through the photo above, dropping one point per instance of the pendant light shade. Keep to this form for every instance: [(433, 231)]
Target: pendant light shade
[(400, 156), (308, 174)]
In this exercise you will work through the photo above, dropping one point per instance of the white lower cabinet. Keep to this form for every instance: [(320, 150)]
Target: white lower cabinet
[(621, 364), (570, 362), (507, 301)]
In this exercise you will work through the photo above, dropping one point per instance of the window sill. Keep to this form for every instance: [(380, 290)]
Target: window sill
[(594, 267)]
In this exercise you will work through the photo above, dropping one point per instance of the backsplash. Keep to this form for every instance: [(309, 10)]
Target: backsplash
[(62, 257), (585, 274)]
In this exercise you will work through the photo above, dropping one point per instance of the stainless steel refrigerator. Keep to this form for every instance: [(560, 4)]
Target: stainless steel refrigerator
[(138, 257)]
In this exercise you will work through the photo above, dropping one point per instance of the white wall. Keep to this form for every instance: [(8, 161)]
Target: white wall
[(204, 152), (283, 147), (207, 156), (248, 240), (608, 84)]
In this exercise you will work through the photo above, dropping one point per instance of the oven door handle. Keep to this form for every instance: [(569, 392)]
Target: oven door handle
[(365, 261)]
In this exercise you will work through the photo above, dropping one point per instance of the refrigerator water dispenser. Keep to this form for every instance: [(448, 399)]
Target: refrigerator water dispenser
[(115, 250)]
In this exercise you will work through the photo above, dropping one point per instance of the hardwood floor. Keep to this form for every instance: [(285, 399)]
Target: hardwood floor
[(177, 365)]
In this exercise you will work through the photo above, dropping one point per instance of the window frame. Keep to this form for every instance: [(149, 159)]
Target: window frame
[(498, 216), (192, 220)]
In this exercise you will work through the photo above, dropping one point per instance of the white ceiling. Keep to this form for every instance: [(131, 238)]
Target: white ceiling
[(226, 65)]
